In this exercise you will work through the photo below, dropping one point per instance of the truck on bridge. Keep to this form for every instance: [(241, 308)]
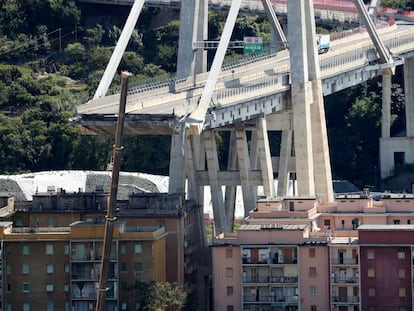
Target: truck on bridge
[(323, 42)]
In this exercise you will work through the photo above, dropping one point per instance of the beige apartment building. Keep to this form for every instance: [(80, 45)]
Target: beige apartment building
[(52, 246), (57, 268)]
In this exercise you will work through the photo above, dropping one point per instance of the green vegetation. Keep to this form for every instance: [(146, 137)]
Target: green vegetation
[(160, 296), (402, 4)]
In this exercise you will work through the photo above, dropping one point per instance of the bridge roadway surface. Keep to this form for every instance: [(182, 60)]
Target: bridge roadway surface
[(252, 88)]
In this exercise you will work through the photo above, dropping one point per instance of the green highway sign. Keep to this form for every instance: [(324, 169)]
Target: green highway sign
[(253, 45)]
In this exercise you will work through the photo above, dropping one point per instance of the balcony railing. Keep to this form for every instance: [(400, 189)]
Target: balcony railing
[(345, 280), (345, 299), (268, 298), (269, 279), (344, 261), (268, 261), (88, 276)]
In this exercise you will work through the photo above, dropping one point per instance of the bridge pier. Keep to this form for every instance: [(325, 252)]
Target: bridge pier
[(285, 155), (313, 170), (409, 95), (193, 27), (264, 156), (397, 151)]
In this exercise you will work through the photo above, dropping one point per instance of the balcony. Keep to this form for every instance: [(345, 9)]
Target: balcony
[(344, 261), (345, 300), (270, 279), (270, 299), (268, 261), (345, 280)]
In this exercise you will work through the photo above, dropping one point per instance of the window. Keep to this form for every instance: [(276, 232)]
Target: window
[(371, 292), (66, 250), (312, 290), (124, 306), (371, 272), (50, 306), (25, 268), (123, 249), (9, 288), (19, 221), (66, 268), (229, 290), (66, 287), (312, 252), (49, 268), (313, 308), (49, 288), (51, 221), (371, 254), (401, 273), (26, 287), (401, 292), (229, 272), (138, 249), (8, 307), (312, 272), (229, 253), (8, 268), (230, 308), (26, 306), (138, 267), (49, 249), (25, 250), (401, 255), (124, 285), (327, 223), (123, 266), (396, 221)]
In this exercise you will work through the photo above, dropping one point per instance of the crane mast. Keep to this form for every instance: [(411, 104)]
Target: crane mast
[(110, 214)]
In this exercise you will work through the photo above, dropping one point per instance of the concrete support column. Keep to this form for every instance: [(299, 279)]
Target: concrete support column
[(177, 167), (230, 193), (285, 154), (265, 159), (193, 27), (320, 147), (409, 95), (303, 138), (194, 190), (220, 219), (254, 152), (301, 90), (249, 196), (386, 106)]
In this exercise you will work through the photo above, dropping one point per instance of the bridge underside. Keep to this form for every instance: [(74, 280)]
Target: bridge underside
[(134, 124)]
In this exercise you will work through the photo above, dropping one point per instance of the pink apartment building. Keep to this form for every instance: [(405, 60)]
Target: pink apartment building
[(300, 254)]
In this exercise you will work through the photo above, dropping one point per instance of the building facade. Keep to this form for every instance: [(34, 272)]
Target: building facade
[(299, 254), (66, 230)]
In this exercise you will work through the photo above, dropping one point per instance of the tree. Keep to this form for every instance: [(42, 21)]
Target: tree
[(165, 296)]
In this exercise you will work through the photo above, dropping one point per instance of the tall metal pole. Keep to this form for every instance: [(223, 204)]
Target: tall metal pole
[(110, 215)]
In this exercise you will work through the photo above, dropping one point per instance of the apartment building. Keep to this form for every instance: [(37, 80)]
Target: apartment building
[(55, 209), (57, 268), (300, 254)]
